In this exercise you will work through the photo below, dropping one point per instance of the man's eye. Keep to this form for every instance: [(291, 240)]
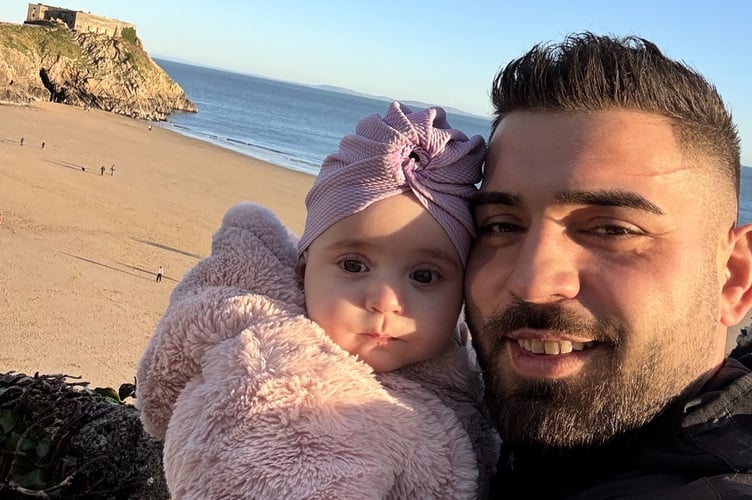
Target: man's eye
[(499, 227), (353, 266), (613, 230), (425, 276)]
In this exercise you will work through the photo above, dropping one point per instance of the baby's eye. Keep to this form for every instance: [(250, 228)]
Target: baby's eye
[(425, 276), (353, 266)]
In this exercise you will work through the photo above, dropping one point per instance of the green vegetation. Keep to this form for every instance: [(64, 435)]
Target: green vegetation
[(137, 58), (41, 40), (130, 35)]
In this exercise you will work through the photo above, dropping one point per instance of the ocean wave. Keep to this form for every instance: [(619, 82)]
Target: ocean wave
[(278, 157)]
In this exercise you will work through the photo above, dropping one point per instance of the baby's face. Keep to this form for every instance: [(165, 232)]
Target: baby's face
[(386, 284)]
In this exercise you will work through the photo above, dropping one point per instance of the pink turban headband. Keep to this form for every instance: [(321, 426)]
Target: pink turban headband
[(402, 152)]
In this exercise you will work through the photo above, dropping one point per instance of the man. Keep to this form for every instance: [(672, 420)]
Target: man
[(607, 268)]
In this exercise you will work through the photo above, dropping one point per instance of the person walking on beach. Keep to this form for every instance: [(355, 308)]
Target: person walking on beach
[(21, 141), (343, 347), (42, 144), (608, 266), (159, 272), (112, 169), (101, 170)]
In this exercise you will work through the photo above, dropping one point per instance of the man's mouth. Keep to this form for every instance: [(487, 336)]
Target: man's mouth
[(553, 347)]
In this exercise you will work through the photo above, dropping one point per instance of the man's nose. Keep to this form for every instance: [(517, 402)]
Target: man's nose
[(546, 268), (384, 297)]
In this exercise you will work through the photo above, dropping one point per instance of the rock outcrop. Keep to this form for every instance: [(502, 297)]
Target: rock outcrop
[(63, 440), (53, 63)]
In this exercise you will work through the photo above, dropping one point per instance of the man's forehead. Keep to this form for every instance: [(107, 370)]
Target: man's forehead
[(619, 142)]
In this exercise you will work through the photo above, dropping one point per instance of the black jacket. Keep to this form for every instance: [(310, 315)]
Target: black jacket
[(700, 448)]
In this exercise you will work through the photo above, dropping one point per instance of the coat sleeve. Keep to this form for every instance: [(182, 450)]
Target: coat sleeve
[(252, 254)]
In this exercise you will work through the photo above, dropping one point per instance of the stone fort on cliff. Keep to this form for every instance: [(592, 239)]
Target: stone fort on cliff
[(76, 20)]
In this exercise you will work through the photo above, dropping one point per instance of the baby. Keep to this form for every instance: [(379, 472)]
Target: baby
[(360, 384)]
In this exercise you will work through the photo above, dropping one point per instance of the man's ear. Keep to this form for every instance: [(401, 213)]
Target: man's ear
[(736, 294)]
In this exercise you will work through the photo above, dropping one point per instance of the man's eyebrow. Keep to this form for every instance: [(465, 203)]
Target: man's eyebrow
[(604, 198), (495, 198), (608, 198)]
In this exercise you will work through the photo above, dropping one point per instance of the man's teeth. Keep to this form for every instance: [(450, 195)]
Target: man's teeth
[(552, 347)]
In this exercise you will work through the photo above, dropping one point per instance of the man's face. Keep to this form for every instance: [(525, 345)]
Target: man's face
[(593, 286)]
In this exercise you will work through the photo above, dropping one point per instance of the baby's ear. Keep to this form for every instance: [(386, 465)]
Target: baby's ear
[(300, 266)]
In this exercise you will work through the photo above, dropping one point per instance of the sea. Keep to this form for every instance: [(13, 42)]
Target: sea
[(296, 126)]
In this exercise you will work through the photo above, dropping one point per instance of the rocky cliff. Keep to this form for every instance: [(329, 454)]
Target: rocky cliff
[(53, 63)]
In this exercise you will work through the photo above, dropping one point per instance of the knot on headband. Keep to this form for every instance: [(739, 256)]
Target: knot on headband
[(401, 152)]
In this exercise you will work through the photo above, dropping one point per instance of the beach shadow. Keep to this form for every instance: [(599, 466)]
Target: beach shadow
[(141, 269), (110, 267), (73, 166), (165, 247)]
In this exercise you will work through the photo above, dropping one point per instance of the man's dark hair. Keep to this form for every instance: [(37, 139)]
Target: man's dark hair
[(587, 72)]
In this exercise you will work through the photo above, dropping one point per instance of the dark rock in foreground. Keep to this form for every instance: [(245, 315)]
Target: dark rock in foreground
[(63, 440)]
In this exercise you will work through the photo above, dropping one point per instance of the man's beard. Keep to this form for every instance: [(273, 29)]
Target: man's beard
[(617, 392)]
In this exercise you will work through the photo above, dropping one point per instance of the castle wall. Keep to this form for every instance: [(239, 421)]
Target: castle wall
[(77, 20), (65, 15), (36, 12), (95, 24)]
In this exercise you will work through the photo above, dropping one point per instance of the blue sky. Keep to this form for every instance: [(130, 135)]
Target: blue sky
[(442, 52)]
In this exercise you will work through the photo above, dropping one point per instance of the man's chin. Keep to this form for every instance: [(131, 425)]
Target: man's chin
[(570, 413), (529, 424), (540, 418), (562, 413)]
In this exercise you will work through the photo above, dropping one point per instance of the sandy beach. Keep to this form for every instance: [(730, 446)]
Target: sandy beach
[(79, 251)]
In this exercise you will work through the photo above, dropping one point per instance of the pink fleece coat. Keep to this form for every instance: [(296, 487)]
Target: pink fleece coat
[(253, 400)]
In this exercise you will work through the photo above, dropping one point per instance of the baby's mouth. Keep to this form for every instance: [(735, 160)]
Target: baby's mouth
[(382, 338)]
